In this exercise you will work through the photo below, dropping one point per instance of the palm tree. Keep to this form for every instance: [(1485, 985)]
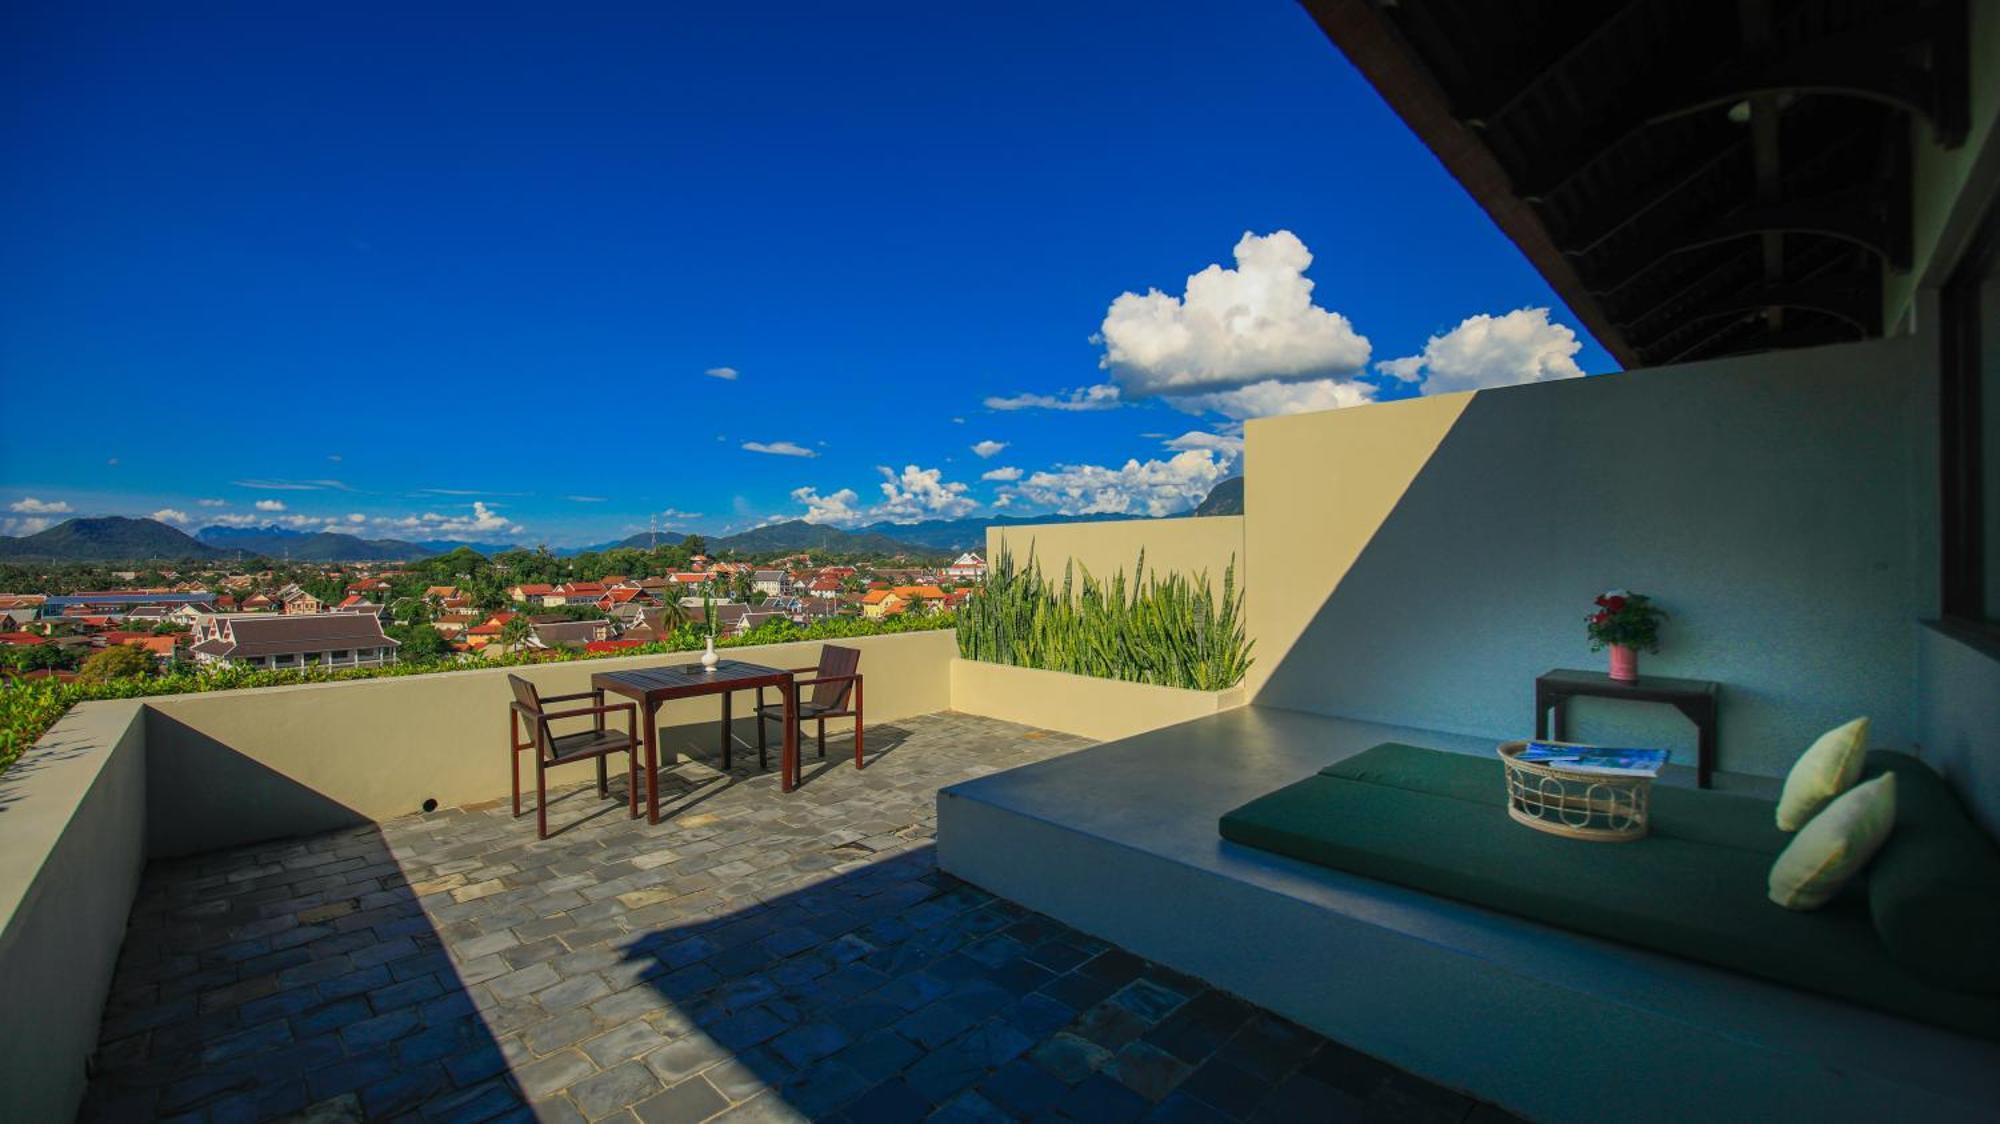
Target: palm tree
[(516, 631)]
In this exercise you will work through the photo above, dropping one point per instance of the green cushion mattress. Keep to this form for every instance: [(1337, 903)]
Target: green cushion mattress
[(1695, 887)]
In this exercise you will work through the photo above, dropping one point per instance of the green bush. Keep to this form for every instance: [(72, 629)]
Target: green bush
[(28, 707), (119, 661), (1173, 631)]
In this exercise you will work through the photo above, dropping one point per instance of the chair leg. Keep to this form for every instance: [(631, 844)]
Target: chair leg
[(515, 761), (603, 784), (632, 780), (857, 741), (541, 798), (822, 739)]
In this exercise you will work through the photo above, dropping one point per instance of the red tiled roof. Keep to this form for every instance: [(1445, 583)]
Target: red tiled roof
[(22, 639), (611, 645)]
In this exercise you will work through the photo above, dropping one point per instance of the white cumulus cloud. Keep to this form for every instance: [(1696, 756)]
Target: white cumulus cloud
[(1230, 327), (837, 509), (26, 524), (483, 521), (1227, 445), (299, 522), (1008, 474), (988, 448), (29, 505), (908, 496), (1099, 396), (727, 374), (1521, 347), (1151, 487), (270, 505), (169, 515), (1270, 397), (779, 448), (213, 503), (921, 493)]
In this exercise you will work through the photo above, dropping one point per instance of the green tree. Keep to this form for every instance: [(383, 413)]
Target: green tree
[(39, 657), (670, 613), (694, 544), (419, 643), (516, 631), (119, 661)]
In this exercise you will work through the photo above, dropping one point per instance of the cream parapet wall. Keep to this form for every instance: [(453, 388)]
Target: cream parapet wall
[(229, 767), (1188, 546)]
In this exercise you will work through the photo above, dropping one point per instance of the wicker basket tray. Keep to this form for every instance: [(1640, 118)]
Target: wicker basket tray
[(1602, 809)]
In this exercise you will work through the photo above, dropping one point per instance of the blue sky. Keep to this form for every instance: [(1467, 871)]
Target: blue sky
[(551, 274)]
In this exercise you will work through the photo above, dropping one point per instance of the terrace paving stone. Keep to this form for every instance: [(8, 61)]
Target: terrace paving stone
[(756, 957)]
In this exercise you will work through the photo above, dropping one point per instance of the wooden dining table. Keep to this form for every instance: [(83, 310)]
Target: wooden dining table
[(651, 686)]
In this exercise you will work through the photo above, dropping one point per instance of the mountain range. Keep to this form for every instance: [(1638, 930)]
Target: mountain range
[(273, 541), (110, 538), (1225, 498), (117, 538)]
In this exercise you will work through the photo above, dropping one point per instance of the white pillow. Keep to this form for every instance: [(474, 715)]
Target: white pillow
[(1835, 846), (1825, 770)]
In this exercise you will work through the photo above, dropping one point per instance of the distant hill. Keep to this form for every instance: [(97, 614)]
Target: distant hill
[(644, 540), (1225, 498), (273, 541), (309, 546), (107, 538), (797, 534)]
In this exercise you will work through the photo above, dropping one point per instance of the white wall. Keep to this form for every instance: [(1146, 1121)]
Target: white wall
[(1774, 504), (72, 849)]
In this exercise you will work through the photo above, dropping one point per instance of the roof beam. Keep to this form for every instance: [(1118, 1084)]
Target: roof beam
[(1853, 216), (1369, 40), (1818, 335), (1860, 63), (1610, 220), (1857, 306)]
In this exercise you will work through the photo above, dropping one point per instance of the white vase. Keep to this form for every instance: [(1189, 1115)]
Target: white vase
[(708, 655)]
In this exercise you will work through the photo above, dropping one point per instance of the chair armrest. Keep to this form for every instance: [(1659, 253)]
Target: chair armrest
[(586, 711), (593, 693), (802, 670), (854, 678)]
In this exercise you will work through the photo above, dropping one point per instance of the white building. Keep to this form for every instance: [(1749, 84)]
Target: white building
[(275, 642)]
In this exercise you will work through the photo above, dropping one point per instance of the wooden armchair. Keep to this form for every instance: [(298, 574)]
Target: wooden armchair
[(596, 743), (836, 693)]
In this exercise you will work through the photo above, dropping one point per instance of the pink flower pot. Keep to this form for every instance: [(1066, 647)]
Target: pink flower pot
[(1624, 663)]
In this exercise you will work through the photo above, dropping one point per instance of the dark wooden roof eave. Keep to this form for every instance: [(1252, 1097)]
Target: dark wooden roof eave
[(1373, 46)]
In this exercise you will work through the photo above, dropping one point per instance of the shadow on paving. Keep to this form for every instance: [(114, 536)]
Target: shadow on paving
[(893, 992), (680, 973), (256, 982)]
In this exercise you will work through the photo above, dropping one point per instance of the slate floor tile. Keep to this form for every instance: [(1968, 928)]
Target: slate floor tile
[(753, 958)]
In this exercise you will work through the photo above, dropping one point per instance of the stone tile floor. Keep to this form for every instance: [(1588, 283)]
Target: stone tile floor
[(756, 957)]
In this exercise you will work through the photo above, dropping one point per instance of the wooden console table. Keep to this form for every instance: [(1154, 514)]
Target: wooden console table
[(1697, 699)]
